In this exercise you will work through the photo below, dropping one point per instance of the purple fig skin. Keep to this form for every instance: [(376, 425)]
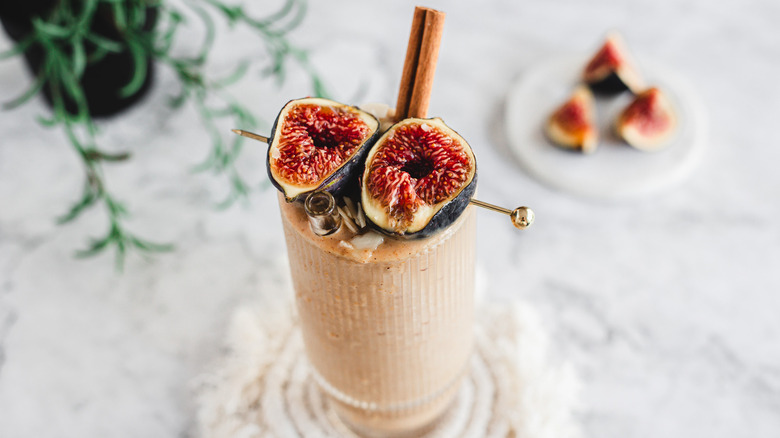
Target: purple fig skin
[(610, 85), (341, 179), (614, 68), (447, 214), (443, 218)]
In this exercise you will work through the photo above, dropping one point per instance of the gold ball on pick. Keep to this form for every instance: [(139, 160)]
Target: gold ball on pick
[(522, 217)]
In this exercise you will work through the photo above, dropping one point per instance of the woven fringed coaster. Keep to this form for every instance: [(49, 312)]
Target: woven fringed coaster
[(263, 387)]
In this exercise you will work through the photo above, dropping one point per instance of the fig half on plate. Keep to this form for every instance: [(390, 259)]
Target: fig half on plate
[(572, 125), (648, 122), (318, 144), (418, 179), (611, 70)]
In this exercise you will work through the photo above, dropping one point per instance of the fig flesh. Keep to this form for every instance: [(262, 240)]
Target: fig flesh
[(648, 122), (610, 70), (318, 144), (418, 179), (572, 125)]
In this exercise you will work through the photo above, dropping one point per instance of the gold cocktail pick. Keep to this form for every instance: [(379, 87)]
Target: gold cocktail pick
[(251, 135), (522, 217)]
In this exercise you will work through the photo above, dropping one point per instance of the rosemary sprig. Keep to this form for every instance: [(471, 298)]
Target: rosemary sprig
[(273, 31), (62, 41), (69, 44)]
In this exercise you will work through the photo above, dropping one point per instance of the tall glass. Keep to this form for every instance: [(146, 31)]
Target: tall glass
[(388, 331)]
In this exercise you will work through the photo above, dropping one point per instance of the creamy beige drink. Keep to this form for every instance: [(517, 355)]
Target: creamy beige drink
[(387, 319), (387, 323)]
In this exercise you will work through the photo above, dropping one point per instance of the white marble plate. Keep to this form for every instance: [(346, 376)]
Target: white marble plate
[(615, 170)]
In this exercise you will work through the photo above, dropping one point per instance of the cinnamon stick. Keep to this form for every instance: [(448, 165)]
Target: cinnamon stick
[(420, 63), (410, 64)]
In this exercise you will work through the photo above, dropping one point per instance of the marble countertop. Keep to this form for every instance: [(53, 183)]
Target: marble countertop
[(667, 304)]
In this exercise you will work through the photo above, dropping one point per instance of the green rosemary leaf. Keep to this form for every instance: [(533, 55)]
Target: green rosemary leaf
[(151, 246), (78, 57), (87, 13), (176, 17), (95, 247), (119, 261), (246, 119), (234, 77), (239, 184), (70, 83), (62, 114), (88, 199), (242, 116), (213, 161), (19, 48), (47, 122), (276, 16), (235, 151), (164, 40), (64, 15), (62, 75), (120, 18), (295, 21), (178, 100), (104, 43), (225, 161), (208, 40), (239, 190), (319, 88), (58, 105), (216, 113), (136, 16), (226, 203), (276, 69), (232, 13), (27, 95), (203, 166), (96, 155), (74, 140), (117, 210), (139, 73), (53, 31), (97, 54)]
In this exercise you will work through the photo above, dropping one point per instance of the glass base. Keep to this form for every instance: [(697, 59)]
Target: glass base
[(401, 424)]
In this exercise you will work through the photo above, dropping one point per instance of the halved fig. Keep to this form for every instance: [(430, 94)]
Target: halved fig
[(572, 125), (648, 122), (611, 70), (419, 177), (318, 144)]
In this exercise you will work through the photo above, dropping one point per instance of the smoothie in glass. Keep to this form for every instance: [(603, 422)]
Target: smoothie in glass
[(387, 323)]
